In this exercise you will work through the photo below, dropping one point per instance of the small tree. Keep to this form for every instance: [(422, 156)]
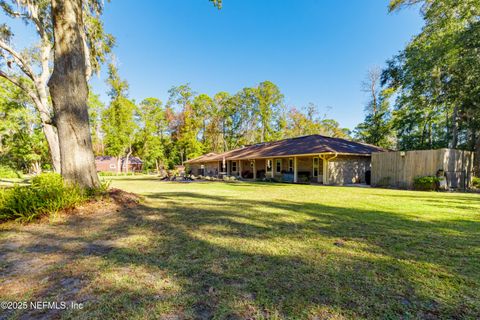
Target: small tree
[(377, 126), (95, 110), (269, 102), (118, 119), (153, 135), (188, 122), (22, 143)]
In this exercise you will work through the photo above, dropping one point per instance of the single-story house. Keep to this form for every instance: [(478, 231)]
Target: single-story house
[(313, 158), (109, 164)]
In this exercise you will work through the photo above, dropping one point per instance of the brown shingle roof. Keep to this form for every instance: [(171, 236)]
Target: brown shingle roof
[(313, 144), (204, 158)]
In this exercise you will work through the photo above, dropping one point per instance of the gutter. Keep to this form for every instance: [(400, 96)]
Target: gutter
[(335, 155)]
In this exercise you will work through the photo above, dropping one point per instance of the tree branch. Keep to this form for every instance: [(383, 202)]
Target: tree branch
[(17, 83), (19, 60), (44, 112)]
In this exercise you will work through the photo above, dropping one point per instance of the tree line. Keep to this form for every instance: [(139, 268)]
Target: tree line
[(425, 97), (191, 124), (428, 95)]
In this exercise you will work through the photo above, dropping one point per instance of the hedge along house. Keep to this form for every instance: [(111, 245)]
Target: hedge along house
[(313, 158)]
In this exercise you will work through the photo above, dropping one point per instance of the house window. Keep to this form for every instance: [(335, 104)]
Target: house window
[(278, 165), (112, 166), (269, 165), (315, 166), (234, 166), (290, 165)]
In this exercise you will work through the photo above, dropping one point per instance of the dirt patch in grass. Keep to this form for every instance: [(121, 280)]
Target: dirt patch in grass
[(48, 260)]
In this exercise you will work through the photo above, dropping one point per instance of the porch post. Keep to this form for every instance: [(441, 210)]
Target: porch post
[(228, 163), (254, 170), (325, 170), (274, 166), (318, 170), (295, 170), (240, 168)]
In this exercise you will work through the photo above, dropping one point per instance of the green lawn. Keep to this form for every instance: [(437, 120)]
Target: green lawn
[(258, 251)]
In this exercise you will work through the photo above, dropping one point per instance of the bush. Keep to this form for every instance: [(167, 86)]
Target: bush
[(106, 173), (47, 194), (384, 182), (9, 173), (426, 183), (476, 182)]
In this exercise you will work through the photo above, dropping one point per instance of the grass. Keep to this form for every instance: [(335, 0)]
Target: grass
[(10, 182), (261, 251)]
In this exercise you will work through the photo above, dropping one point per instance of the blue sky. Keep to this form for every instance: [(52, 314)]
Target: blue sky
[(315, 50)]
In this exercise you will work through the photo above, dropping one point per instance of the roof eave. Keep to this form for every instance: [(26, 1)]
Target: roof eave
[(282, 156)]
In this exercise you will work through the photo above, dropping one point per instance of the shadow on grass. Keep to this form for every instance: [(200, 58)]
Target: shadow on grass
[(241, 259)]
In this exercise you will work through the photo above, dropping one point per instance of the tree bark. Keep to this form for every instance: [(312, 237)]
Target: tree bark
[(476, 164), (53, 146), (69, 93), (119, 164), (454, 142), (127, 160)]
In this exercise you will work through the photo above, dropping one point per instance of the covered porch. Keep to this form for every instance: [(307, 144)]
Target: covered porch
[(296, 169)]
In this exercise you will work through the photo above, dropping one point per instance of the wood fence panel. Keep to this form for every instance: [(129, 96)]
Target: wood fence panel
[(399, 169)]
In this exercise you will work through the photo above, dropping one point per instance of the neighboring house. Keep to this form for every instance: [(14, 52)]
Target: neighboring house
[(108, 163), (313, 158)]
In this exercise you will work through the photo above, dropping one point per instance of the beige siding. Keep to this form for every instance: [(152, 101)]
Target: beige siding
[(260, 164), (348, 169), (247, 170), (211, 168), (342, 170), (193, 168)]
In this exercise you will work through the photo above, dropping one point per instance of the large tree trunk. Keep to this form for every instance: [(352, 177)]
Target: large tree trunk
[(69, 92)]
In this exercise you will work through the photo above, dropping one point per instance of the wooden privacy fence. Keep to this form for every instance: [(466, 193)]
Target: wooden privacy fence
[(400, 168)]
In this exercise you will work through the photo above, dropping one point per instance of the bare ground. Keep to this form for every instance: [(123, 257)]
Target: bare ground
[(33, 257)]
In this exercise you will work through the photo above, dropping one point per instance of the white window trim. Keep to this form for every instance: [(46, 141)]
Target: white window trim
[(277, 161), (290, 168), (266, 165)]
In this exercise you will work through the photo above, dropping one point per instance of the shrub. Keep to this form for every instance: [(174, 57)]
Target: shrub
[(303, 178), (426, 183), (384, 182), (48, 193), (107, 174), (9, 173), (476, 182)]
